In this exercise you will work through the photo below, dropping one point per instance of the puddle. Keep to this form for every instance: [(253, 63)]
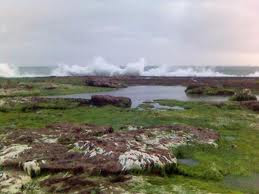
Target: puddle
[(157, 106), (250, 183), (230, 138), (188, 162)]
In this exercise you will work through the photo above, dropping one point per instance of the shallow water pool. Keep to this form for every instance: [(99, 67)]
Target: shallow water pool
[(140, 94), (246, 183)]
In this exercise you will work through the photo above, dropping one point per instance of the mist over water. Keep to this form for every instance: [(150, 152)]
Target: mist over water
[(101, 67)]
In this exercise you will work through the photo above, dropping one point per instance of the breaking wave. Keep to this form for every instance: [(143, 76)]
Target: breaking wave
[(255, 74), (101, 67), (7, 70)]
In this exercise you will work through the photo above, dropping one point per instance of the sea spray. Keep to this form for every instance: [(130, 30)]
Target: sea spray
[(7, 70), (100, 67), (255, 74)]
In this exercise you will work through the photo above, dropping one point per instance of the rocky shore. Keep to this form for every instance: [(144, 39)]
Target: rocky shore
[(101, 145), (235, 82), (98, 149)]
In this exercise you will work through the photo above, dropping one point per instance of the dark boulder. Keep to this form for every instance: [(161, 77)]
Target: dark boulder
[(244, 95), (252, 105), (50, 86), (102, 100), (104, 82), (194, 89)]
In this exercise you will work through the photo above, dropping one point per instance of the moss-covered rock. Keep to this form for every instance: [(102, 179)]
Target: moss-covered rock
[(208, 90), (244, 95)]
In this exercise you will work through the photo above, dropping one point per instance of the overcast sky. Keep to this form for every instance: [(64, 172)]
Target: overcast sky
[(176, 32)]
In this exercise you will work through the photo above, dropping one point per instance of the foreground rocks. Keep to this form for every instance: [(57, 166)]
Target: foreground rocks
[(244, 95), (104, 82), (98, 149), (197, 89), (13, 181), (103, 100)]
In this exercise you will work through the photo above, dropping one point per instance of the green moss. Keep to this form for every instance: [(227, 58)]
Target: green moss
[(32, 188), (219, 91), (45, 87), (243, 96), (238, 157), (176, 184), (29, 105), (209, 90)]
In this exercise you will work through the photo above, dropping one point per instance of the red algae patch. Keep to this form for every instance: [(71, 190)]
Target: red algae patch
[(97, 149)]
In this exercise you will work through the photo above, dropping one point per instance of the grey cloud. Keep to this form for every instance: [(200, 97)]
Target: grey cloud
[(167, 31)]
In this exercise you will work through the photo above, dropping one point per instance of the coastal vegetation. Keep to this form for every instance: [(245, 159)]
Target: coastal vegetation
[(45, 87), (228, 165), (209, 90)]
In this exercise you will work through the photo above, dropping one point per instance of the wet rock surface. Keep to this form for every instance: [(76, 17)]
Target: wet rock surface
[(81, 183), (70, 184), (103, 100), (252, 105), (97, 149), (106, 82), (235, 82)]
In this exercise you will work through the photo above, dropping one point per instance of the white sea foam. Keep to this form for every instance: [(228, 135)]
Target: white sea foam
[(255, 74), (99, 66), (7, 70)]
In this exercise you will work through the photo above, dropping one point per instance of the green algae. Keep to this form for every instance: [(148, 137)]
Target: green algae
[(45, 87), (238, 157), (176, 184)]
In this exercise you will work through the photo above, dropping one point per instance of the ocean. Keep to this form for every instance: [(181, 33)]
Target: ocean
[(73, 70), (173, 71)]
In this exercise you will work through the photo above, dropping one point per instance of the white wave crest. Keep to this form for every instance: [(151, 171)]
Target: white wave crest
[(255, 74), (100, 66), (7, 70)]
